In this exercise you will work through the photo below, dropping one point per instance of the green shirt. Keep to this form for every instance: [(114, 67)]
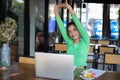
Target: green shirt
[(78, 50)]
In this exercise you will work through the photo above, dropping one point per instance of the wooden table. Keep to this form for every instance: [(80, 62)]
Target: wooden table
[(27, 72), (19, 72)]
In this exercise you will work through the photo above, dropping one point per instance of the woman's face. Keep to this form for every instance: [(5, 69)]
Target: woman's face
[(73, 32)]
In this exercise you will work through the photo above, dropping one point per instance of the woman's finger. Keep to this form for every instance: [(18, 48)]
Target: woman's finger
[(66, 1)]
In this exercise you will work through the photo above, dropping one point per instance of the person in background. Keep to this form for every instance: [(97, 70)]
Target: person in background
[(75, 36), (39, 42)]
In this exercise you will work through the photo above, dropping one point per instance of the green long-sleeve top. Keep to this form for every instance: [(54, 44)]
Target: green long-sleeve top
[(78, 50)]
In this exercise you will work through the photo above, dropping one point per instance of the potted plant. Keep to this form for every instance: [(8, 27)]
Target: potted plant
[(7, 32)]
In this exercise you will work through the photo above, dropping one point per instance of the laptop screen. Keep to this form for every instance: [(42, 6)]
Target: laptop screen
[(55, 66)]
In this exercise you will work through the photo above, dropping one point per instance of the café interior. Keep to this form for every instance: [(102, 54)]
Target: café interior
[(37, 31)]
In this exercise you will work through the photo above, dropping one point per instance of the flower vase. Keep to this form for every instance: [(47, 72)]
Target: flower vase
[(5, 54)]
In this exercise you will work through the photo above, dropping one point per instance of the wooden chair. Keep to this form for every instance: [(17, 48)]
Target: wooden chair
[(93, 41), (102, 50), (111, 59), (91, 50), (90, 54), (104, 42), (26, 60), (60, 47)]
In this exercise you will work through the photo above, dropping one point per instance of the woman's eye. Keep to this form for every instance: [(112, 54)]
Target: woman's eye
[(75, 29)]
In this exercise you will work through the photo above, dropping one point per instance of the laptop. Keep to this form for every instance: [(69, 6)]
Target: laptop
[(54, 66)]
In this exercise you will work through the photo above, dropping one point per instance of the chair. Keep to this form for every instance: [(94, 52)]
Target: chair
[(91, 50), (93, 41), (60, 47), (111, 59), (99, 55), (102, 50), (26, 60), (90, 54), (104, 42)]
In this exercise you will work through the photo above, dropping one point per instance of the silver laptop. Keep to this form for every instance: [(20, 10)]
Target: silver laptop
[(54, 66)]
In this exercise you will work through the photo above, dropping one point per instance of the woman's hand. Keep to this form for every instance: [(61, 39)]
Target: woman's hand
[(62, 5), (56, 8), (69, 7)]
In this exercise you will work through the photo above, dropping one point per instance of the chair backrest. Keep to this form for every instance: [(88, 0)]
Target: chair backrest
[(93, 41), (27, 60), (104, 42), (60, 47), (90, 54), (111, 58), (103, 49), (91, 50)]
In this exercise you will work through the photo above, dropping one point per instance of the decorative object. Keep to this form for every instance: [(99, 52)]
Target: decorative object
[(7, 29), (7, 33), (5, 54)]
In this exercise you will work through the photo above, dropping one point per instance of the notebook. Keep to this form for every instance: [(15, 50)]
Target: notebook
[(54, 66)]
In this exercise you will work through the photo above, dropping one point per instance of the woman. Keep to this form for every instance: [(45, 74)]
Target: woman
[(76, 37)]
